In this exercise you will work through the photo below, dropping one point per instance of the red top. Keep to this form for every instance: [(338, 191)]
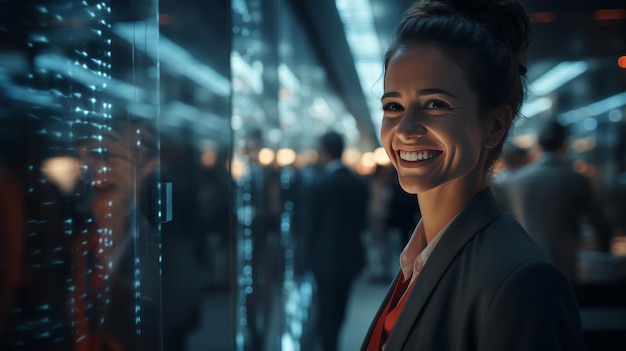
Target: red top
[(390, 314)]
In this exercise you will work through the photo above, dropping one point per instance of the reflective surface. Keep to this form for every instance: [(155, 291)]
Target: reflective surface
[(79, 163), (153, 156), (282, 102)]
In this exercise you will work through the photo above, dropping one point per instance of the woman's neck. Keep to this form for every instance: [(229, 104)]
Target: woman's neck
[(440, 205)]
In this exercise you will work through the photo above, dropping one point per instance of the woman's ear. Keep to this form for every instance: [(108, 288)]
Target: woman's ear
[(498, 123)]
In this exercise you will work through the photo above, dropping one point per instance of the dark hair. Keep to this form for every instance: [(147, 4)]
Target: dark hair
[(488, 38), (332, 143), (552, 136)]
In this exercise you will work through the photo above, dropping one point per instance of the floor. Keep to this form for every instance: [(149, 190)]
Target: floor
[(291, 315), (363, 304)]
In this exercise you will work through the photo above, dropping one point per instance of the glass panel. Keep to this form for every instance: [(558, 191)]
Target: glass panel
[(258, 256), (282, 103), (194, 51), (79, 124)]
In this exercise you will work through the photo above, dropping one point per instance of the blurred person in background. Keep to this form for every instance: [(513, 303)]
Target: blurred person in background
[(380, 190), (512, 159), (336, 219), (185, 275), (552, 201), (404, 212), (471, 278)]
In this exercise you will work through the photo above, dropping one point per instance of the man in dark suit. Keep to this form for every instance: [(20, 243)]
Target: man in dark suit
[(550, 200), (333, 249)]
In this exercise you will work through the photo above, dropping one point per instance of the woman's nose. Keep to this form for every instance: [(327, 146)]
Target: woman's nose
[(411, 125)]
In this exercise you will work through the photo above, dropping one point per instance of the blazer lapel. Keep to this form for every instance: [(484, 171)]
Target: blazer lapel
[(370, 331), (479, 212)]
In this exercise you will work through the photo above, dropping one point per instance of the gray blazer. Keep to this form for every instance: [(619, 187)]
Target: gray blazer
[(487, 286)]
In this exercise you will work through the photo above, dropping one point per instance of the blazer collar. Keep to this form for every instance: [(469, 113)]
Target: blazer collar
[(478, 213)]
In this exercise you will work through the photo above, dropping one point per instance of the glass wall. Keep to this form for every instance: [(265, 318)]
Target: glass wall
[(152, 162), (195, 144), (114, 193), (80, 169)]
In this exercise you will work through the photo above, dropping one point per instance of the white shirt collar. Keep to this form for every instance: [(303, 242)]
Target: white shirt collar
[(416, 252)]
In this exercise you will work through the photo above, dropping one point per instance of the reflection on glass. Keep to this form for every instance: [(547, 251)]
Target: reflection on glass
[(81, 266), (112, 298)]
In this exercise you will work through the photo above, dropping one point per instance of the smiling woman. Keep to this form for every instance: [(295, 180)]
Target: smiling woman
[(431, 124), (453, 83)]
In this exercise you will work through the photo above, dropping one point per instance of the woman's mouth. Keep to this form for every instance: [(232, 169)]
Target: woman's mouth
[(416, 156)]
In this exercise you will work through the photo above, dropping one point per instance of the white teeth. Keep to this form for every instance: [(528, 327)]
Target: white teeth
[(417, 155)]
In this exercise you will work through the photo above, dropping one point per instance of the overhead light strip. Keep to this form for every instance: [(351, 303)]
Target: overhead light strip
[(557, 77), (549, 82), (595, 109), (87, 77), (358, 22), (173, 56)]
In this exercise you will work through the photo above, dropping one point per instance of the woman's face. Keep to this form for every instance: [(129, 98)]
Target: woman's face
[(115, 169), (431, 128)]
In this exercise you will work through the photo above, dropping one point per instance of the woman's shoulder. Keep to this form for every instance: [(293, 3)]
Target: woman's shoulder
[(507, 233), (503, 247)]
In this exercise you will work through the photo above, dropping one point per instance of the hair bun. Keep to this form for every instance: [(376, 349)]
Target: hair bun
[(507, 20)]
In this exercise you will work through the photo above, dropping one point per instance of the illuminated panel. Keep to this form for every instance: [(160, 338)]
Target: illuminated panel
[(86, 250)]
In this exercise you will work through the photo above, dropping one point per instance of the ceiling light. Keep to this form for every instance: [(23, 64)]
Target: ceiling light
[(173, 56), (536, 106), (358, 22), (81, 74), (597, 108), (557, 76)]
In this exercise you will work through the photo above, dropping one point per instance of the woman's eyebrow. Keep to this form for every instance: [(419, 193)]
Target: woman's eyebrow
[(389, 94), (429, 91)]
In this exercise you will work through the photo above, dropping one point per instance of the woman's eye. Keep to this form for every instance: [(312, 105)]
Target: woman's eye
[(392, 107), (436, 105)]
